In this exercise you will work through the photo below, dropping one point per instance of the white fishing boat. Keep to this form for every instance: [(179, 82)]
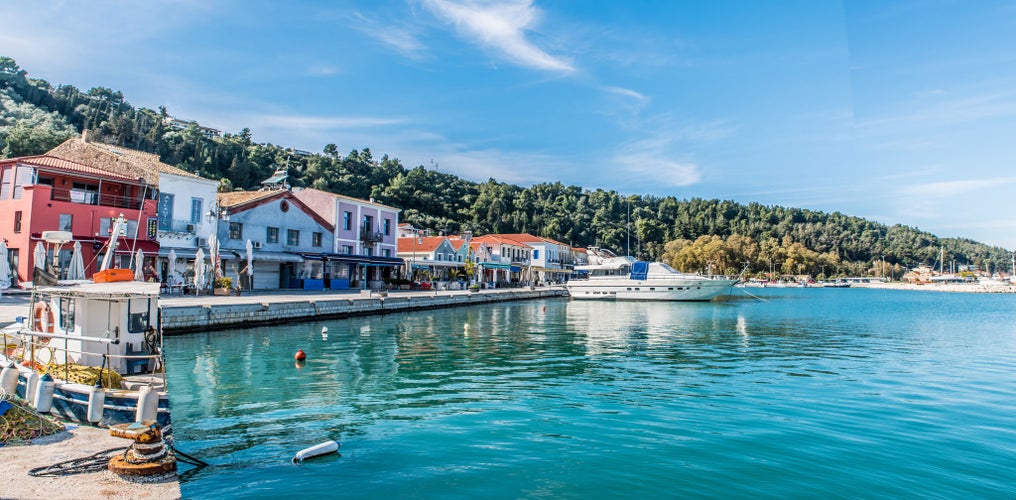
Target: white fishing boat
[(609, 277), (90, 351)]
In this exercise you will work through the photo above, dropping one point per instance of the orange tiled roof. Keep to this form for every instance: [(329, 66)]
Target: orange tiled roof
[(71, 166), (232, 199), (425, 244), (115, 159)]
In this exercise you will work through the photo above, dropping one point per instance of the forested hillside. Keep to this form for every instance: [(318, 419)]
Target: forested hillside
[(35, 116)]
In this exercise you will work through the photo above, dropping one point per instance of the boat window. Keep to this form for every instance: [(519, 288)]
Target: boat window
[(671, 288), (66, 314), (139, 320), (652, 288)]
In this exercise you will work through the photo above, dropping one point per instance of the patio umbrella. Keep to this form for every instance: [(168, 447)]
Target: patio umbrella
[(40, 256), (139, 259), (171, 269), (213, 255), (5, 267), (76, 271), (199, 270), (250, 258)]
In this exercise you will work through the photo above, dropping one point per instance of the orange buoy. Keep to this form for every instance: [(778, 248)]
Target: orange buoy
[(300, 355)]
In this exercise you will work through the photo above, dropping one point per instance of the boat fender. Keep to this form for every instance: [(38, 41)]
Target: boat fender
[(43, 400), (96, 400), (148, 404), (9, 380), (316, 451), (31, 380)]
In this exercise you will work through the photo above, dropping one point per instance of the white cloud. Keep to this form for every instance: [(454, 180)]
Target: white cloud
[(637, 96), (402, 39), (500, 27), (955, 188)]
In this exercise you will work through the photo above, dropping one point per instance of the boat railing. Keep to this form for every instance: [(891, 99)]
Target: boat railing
[(29, 348)]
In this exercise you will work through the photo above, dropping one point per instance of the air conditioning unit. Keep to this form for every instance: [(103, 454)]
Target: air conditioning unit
[(202, 242), (256, 244), (190, 228)]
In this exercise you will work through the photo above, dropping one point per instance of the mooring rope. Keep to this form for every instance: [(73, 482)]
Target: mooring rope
[(96, 462)]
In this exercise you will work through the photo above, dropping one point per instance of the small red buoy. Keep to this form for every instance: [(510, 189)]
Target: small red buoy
[(300, 355)]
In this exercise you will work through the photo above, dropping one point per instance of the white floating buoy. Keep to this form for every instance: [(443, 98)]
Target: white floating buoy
[(324, 332), (316, 451)]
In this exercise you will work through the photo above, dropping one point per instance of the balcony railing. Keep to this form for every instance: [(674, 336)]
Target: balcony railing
[(86, 197), (371, 237)]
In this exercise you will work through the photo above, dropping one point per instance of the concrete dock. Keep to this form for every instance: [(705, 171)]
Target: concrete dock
[(183, 314)]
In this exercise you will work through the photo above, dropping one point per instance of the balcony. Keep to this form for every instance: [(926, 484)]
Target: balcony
[(88, 197), (369, 237)]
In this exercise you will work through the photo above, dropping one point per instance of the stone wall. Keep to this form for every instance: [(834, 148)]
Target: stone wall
[(184, 319)]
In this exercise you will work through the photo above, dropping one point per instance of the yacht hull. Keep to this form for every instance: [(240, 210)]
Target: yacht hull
[(682, 289)]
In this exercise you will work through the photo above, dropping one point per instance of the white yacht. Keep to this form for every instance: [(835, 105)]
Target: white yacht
[(609, 277)]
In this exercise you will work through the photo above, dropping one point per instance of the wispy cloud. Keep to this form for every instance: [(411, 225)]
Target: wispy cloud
[(322, 70), (955, 188), (637, 96), (304, 122), (401, 38), (501, 28)]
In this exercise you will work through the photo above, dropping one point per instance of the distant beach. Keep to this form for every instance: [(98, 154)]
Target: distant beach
[(942, 287)]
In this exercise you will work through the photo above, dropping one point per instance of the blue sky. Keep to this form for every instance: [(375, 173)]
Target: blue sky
[(901, 112)]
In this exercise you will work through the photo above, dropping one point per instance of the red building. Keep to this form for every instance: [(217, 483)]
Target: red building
[(47, 193)]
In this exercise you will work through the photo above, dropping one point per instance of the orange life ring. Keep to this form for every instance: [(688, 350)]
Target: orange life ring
[(44, 320)]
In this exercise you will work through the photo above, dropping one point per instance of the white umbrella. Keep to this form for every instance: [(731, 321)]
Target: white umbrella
[(5, 267), (139, 259), (250, 258), (76, 271), (213, 254), (199, 270), (171, 269), (40, 256)]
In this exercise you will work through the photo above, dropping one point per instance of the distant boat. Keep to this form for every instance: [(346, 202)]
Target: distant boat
[(609, 277)]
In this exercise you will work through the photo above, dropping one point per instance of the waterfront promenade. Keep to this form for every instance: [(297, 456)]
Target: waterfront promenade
[(185, 313)]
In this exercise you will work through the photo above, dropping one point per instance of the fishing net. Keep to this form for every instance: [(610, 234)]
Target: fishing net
[(20, 423)]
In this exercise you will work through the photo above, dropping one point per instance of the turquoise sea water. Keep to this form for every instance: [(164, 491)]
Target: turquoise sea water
[(803, 393)]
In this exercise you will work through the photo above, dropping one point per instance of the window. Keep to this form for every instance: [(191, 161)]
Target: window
[(368, 251), (292, 237), (195, 210), (368, 224), (315, 239), (347, 249), (235, 230), (17, 221), (388, 227), (386, 253), (273, 235), (66, 222), (84, 193), (536, 254), (106, 228), (347, 220), (67, 314)]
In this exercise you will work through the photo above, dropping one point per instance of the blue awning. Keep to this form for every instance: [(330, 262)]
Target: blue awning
[(516, 269)]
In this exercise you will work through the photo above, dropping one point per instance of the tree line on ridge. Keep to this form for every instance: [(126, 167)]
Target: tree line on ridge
[(693, 234)]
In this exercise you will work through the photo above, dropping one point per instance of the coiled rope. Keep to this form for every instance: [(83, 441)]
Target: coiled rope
[(96, 462)]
